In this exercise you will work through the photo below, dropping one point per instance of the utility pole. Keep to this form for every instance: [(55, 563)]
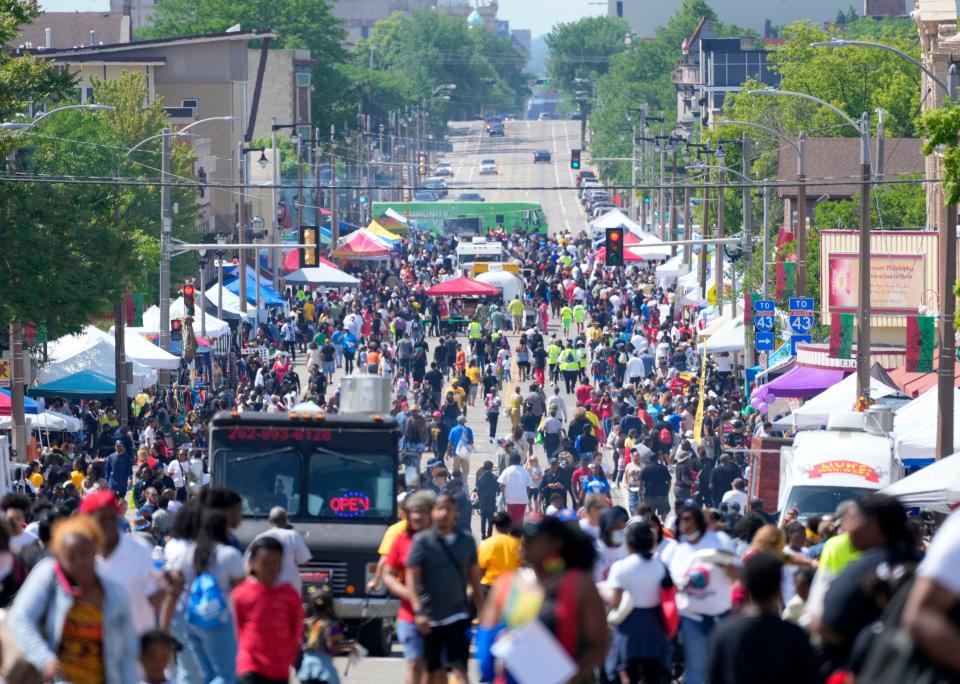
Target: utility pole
[(766, 237), (673, 203), (334, 218), (318, 217), (166, 230), (119, 332), (687, 225), (747, 201), (718, 248), (300, 220), (17, 391), (662, 198), (801, 217), (702, 266), (863, 318), (633, 174)]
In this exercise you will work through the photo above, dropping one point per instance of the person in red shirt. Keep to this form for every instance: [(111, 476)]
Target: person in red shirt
[(643, 415), (417, 506), (269, 618), (583, 393)]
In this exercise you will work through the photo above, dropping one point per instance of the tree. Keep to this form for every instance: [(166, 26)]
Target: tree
[(82, 240), (583, 49), (308, 24)]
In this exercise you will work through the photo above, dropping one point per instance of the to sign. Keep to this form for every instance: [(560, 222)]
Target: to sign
[(764, 306), (801, 314), (350, 505)]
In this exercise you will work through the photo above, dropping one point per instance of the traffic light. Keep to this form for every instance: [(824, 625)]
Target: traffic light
[(188, 300), (575, 160), (363, 199), (422, 163), (646, 199), (614, 247), (176, 330), (310, 255)]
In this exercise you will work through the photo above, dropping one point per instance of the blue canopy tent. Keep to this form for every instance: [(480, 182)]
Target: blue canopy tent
[(268, 296), (345, 228), (86, 384)]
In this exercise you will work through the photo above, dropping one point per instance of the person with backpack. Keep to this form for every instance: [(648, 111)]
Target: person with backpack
[(208, 569)]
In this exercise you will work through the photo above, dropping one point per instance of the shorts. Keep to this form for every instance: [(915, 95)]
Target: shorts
[(452, 641), (410, 639)]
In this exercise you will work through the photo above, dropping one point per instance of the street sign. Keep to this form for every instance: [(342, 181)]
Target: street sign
[(763, 323), (801, 315), (764, 306), (798, 339), (763, 341)]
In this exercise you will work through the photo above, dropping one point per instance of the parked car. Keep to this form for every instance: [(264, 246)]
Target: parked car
[(470, 197), (576, 116), (488, 169), (541, 156), (426, 196), (496, 130), (443, 171), (544, 116)]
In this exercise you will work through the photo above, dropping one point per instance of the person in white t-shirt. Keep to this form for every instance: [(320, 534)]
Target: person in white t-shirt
[(514, 482), (124, 560), (933, 599), (14, 508), (703, 569), (295, 551), (178, 470), (736, 495)]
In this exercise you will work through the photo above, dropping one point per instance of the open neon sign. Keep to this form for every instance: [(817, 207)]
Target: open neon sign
[(350, 505)]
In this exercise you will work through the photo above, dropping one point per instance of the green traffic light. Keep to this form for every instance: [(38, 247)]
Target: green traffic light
[(363, 199)]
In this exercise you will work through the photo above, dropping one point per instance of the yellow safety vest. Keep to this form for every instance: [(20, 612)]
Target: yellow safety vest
[(568, 360), (473, 330)]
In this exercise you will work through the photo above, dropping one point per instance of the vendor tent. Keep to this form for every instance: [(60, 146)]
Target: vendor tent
[(146, 352), (509, 284), (47, 420), (268, 296), (915, 426), (936, 487), (628, 255), (617, 219), (802, 382), (29, 405), (215, 327), (462, 287), (728, 338), (328, 276), (839, 397), (92, 349), (86, 384), (362, 246), (382, 232), (231, 304)]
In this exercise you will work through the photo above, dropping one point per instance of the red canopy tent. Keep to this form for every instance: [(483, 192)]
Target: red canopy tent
[(359, 246), (628, 255), (462, 287), (291, 261)]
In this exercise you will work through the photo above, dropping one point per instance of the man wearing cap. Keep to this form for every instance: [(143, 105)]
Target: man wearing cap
[(124, 560), (119, 468)]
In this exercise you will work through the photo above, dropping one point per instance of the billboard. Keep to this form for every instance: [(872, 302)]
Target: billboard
[(896, 282)]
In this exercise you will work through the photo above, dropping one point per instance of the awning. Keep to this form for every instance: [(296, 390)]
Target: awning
[(86, 384), (146, 352), (802, 382), (268, 296), (29, 405), (936, 487), (839, 397), (915, 384), (48, 420), (382, 232), (322, 275), (729, 338), (462, 287)]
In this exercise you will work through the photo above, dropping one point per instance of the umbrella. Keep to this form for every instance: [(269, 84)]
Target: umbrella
[(29, 405), (462, 287)]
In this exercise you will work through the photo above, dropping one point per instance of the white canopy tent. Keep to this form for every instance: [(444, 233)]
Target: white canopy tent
[(307, 407), (839, 397), (730, 337), (617, 219), (231, 305), (94, 350), (146, 352), (936, 487), (915, 426), (151, 320), (322, 275), (48, 420)]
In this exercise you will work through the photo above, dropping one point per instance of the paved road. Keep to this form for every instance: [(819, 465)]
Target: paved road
[(514, 156), (518, 177)]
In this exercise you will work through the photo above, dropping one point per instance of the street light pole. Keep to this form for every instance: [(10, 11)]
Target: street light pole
[(166, 230)]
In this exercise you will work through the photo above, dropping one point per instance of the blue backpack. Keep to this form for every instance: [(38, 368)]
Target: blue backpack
[(206, 607)]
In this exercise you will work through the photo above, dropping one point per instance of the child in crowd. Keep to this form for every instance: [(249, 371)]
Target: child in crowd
[(157, 648), (324, 636)]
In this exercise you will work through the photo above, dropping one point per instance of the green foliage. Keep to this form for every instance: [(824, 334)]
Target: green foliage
[(415, 54), (76, 248), (939, 127), (298, 24), (583, 49)]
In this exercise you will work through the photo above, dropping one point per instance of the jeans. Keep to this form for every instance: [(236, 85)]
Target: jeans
[(486, 522), (695, 635), (216, 652), (188, 669)]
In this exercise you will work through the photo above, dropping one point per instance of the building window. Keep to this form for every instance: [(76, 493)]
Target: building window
[(303, 79), (192, 103), (364, 31), (620, 8)]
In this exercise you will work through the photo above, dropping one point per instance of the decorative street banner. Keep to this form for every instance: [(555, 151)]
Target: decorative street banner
[(896, 283), (133, 304), (841, 335), (749, 298), (786, 279), (920, 344)]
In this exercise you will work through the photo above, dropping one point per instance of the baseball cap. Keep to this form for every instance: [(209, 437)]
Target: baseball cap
[(97, 500)]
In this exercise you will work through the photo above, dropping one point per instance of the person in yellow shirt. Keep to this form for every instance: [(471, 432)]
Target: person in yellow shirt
[(35, 477), (309, 310), (473, 372), (77, 475), (499, 553), (387, 541), (459, 394)]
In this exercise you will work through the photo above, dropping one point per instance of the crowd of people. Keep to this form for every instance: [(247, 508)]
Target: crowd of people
[(613, 510)]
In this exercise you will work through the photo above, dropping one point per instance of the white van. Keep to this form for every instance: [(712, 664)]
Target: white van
[(849, 459), (479, 249)]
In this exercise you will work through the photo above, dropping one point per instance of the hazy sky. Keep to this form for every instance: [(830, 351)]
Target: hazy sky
[(540, 17)]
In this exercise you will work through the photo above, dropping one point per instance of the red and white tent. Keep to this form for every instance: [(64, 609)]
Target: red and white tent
[(462, 287)]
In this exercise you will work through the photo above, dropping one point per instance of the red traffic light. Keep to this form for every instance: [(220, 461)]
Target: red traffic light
[(614, 236), (188, 291)]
